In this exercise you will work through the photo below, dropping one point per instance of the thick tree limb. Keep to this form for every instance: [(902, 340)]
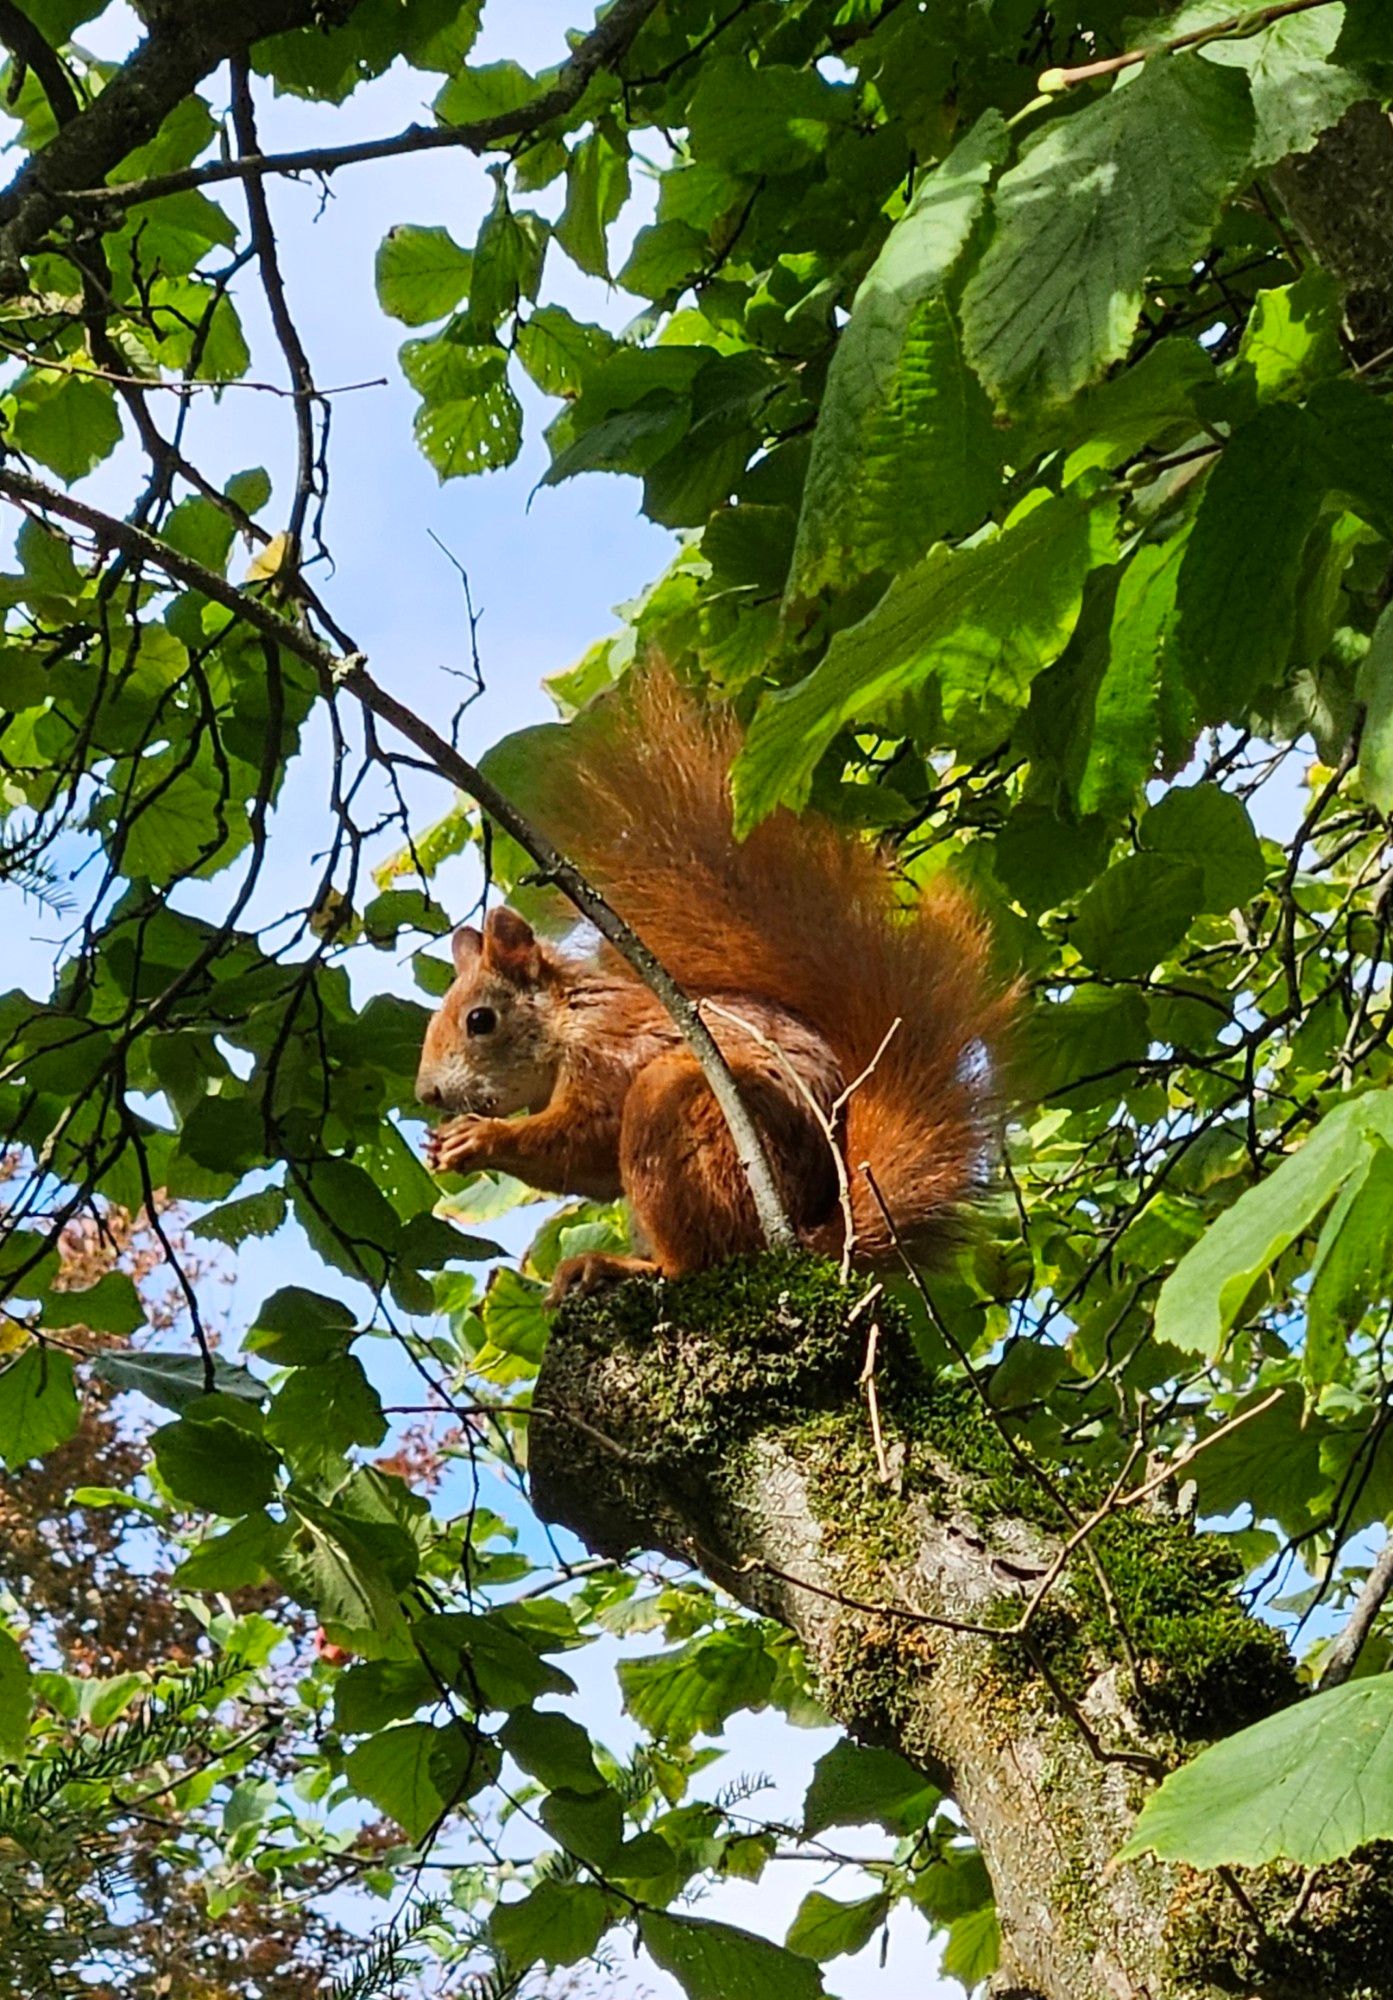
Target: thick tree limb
[(349, 673), (745, 1450)]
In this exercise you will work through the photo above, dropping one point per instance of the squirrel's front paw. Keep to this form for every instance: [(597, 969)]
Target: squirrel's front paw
[(459, 1145)]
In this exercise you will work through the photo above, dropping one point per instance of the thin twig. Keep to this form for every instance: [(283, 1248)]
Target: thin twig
[(1234, 28), (287, 334), (827, 1120), (53, 364), (867, 1382)]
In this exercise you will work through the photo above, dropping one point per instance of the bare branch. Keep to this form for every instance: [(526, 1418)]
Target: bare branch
[(600, 50), (287, 334)]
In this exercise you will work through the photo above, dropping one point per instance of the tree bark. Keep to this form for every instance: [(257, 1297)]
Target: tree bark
[(719, 1421), (1340, 196)]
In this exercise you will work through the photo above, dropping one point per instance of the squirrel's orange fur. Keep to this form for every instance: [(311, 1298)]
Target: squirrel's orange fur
[(804, 934)]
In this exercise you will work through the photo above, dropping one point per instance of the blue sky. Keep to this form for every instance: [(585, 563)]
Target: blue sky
[(545, 579)]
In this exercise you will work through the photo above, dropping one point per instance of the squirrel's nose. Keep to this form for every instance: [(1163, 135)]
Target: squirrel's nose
[(426, 1091)]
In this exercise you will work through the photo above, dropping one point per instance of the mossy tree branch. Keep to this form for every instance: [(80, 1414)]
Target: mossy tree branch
[(718, 1421)]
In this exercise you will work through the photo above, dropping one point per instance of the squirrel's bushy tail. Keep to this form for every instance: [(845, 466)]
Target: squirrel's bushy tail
[(809, 915)]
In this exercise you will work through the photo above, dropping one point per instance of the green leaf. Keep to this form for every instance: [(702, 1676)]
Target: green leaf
[(1367, 36), (295, 1327), (250, 489), (515, 1317), (376, 1692), (416, 1773), (112, 1305), (558, 351), (1298, 91), (713, 1961), (176, 1380), (559, 1923), (904, 449), (422, 274), (1271, 1464), (1126, 189), (597, 186), (1210, 829), (322, 1410), (337, 1565), (691, 1690), (973, 1949), (770, 120), (975, 625), (1375, 690), (235, 1222), (553, 1748), (1309, 1784), (201, 530), (504, 1668), (484, 92), (857, 1784), (38, 1405), (1043, 861), (241, 1557), (1353, 1264), (1127, 708), (1236, 596), (507, 266), (1152, 399), (347, 1219), (211, 1460), (588, 1825), (470, 420), (178, 823), (16, 1696), (1204, 1295), (825, 1928), (665, 259), (1292, 338), (70, 423)]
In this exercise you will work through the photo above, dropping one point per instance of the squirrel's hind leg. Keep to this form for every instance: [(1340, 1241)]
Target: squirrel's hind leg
[(691, 1202)]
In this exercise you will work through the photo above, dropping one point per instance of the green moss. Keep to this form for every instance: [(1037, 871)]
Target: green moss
[(1331, 1941), (1206, 1666), (756, 1341), (778, 1340)]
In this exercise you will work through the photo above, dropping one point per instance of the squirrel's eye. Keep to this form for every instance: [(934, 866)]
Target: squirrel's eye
[(480, 1021)]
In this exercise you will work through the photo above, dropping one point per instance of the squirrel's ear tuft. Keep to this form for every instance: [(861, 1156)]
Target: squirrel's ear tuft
[(510, 945), (465, 947)]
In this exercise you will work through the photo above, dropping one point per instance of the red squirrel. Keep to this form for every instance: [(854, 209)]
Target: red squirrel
[(805, 948)]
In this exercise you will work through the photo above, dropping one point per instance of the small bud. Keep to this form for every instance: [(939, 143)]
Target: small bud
[(1051, 82)]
